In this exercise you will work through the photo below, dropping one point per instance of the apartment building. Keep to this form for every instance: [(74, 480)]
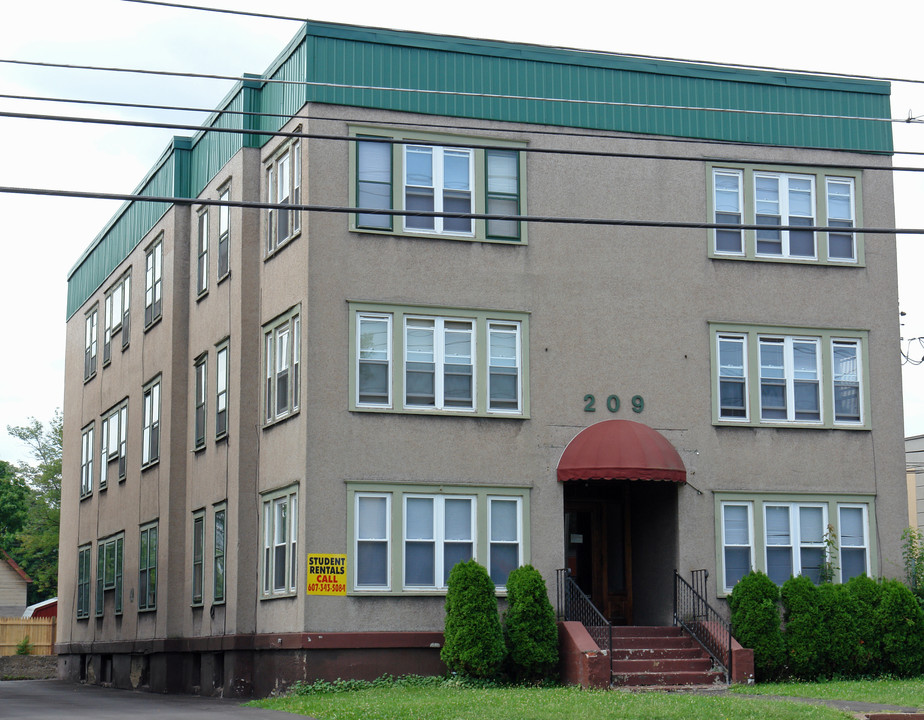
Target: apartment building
[(425, 298)]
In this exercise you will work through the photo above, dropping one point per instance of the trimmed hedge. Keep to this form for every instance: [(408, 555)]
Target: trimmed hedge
[(530, 631), (473, 642), (755, 618), (901, 624)]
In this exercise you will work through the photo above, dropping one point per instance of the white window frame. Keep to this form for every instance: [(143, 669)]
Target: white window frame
[(200, 397), (91, 343), (153, 282), (276, 539), (438, 190), (361, 536), (749, 506), (437, 538), (499, 365), (371, 357), (87, 451), (113, 442), (224, 233), (281, 358), (439, 358), (864, 547), (147, 567), (116, 315), (797, 542), (846, 222), (283, 184), (724, 376), (202, 252), (789, 379), (843, 379), (222, 378), (730, 215), (498, 542), (786, 214), (150, 435)]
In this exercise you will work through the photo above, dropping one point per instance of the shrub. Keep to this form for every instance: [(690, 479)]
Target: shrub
[(803, 635), (755, 618), (530, 631), (867, 594), (901, 627), (24, 647), (840, 649), (473, 641)]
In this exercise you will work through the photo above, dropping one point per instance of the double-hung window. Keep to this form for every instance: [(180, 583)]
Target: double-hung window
[(109, 572), (147, 568), (854, 540), (218, 558), (280, 538), (83, 581), (201, 389), (795, 541), (737, 541), (281, 366), (775, 376), (150, 436), (202, 252), (153, 282), (198, 550), (87, 450), (116, 315), (421, 174), (91, 328), (775, 198), (224, 234), (449, 360), (408, 538), (221, 391), (112, 443), (283, 182)]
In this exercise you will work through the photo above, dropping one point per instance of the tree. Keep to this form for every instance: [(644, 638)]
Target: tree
[(14, 506), (530, 631), (473, 641), (36, 543)]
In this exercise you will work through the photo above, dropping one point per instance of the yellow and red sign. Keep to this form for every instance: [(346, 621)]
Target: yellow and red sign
[(327, 574)]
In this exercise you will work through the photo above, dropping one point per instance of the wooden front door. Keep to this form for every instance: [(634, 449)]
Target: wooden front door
[(599, 554)]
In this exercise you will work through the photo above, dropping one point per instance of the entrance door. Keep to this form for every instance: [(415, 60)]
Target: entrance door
[(598, 552)]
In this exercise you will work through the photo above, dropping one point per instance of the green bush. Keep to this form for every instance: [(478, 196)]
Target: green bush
[(867, 594), (755, 618), (839, 611), (803, 635), (530, 631), (473, 641), (901, 627), (24, 647)]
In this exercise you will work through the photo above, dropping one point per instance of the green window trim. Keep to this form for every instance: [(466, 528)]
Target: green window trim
[(756, 503), (490, 189), (109, 552), (147, 567), (83, 581), (219, 568), (488, 327), (747, 211), (827, 340), (395, 495), (198, 558)]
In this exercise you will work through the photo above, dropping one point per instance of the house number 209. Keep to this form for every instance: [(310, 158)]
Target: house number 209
[(612, 403)]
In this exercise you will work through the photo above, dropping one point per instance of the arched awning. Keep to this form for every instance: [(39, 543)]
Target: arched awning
[(620, 450)]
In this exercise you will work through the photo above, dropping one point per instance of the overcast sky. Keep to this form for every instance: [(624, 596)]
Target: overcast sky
[(41, 238)]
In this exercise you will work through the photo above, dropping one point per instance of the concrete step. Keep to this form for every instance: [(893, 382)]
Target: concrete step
[(645, 643), (691, 652), (668, 678), (632, 667), (647, 631)]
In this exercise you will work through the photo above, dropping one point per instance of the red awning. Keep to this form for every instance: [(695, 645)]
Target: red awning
[(620, 450)]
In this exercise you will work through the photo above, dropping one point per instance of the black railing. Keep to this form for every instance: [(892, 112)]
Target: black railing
[(701, 620), (573, 604)]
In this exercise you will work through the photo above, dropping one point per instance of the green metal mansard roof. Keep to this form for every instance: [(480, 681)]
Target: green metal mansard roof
[(489, 80)]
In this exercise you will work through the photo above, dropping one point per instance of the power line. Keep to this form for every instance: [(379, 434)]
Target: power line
[(456, 128), (402, 141), (605, 53), (458, 93), (544, 219)]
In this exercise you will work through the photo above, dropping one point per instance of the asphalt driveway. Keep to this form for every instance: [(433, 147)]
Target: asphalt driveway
[(56, 700)]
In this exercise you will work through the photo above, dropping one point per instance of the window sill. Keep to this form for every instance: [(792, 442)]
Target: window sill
[(153, 322), (151, 464), (410, 234), (293, 595), (278, 421), (88, 378), (790, 425), (222, 278), (281, 246), (202, 295), (781, 260), (443, 413)]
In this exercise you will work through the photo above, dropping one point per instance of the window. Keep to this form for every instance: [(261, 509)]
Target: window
[(221, 392), (87, 449), (117, 315), (153, 283), (439, 531), (91, 326), (112, 443), (452, 361), (150, 436), (424, 175), (224, 234), (854, 541), (766, 196), (283, 182), (202, 252), (198, 543), (109, 572), (785, 536), (201, 400), (407, 539), (737, 544), (218, 561), (282, 348), (280, 535), (805, 377), (147, 564), (83, 582)]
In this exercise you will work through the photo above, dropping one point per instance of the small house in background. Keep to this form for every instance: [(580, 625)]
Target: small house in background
[(14, 582), (45, 609)]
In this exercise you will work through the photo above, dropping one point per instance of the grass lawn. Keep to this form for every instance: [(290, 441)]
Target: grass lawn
[(909, 693), (448, 701)]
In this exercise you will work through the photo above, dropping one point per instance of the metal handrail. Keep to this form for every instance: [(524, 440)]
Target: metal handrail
[(573, 604), (704, 623)]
